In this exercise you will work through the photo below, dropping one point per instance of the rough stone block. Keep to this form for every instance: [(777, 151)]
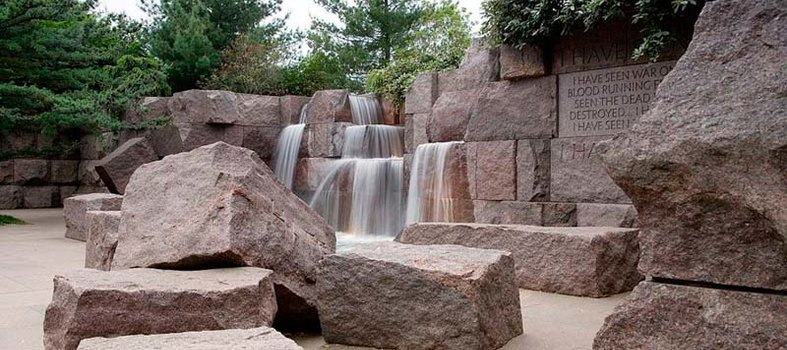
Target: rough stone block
[(584, 261), (40, 196), (116, 168), (310, 172), (10, 197), (204, 106), (7, 172), (609, 215), (102, 238), (422, 94), (291, 107), (89, 303), (325, 140), (87, 174), (533, 159), (507, 213), (65, 171), (521, 64), (480, 66), (450, 115), (198, 135), (148, 108), (262, 338), (76, 207), (95, 147), (559, 214), (491, 170), (165, 140), (391, 295), (31, 171), (260, 111), (509, 110), (578, 175), (328, 106), (665, 316), (220, 205), (707, 174), (261, 140), (415, 132)]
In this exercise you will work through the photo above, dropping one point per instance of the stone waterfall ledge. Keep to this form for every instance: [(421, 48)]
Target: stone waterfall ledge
[(665, 316), (583, 261), (391, 295), (262, 338), (89, 303)]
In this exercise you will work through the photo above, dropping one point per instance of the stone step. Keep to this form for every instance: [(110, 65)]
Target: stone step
[(262, 338), (583, 261), (90, 303), (400, 296)]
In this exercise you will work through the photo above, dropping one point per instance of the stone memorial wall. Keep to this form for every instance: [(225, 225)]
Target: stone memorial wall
[(532, 130)]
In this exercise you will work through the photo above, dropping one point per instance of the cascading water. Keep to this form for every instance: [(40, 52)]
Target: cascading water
[(287, 150), (361, 195), (429, 195)]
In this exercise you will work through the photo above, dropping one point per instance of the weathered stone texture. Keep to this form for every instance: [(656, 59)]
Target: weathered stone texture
[(609, 215), (520, 64), (310, 172), (325, 140), (707, 166), (509, 110), (664, 316), (480, 66), (260, 110), (7, 171), (577, 173), (451, 112), (102, 238), (10, 196), (148, 108), (75, 208), (261, 338), (116, 168), (533, 159), (31, 171), (507, 212), (204, 106), (422, 94), (88, 303), (415, 131), (40, 196), (64, 171), (327, 106), (582, 261), (391, 295), (195, 135), (220, 205), (291, 107), (492, 170), (94, 147)]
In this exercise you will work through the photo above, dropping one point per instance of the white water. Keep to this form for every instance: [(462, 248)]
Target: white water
[(429, 195), (362, 194), (304, 117), (287, 150)]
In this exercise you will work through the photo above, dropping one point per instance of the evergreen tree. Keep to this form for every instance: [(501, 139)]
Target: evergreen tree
[(66, 69)]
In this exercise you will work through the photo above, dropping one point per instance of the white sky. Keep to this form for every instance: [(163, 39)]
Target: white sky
[(301, 11)]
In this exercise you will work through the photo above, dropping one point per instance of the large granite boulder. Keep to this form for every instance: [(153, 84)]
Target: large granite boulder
[(706, 167), (328, 106), (116, 168), (102, 239), (480, 66), (422, 95), (220, 205), (204, 106), (89, 303), (664, 316), (75, 211), (261, 338), (451, 112), (400, 296), (584, 261), (516, 64)]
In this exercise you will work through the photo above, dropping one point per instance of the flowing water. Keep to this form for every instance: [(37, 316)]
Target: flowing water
[(287, 150), (429, 195), (365, 109)]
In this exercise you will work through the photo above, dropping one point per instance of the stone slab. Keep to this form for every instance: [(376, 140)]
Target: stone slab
[(102, 238), (76, 207), (664, 316), (533, 158), (89, 303), (607, 101), (204, 106), (527, 62), (328, 106), (291, 107), (415, 131), (422, 94), (577, 173), (583, 261), (325, 140), (608, 215), (491, 170), (391, 295), (116, 168), (64, 172), (31, 171), (450, 115), (260, 110), (261, 338)]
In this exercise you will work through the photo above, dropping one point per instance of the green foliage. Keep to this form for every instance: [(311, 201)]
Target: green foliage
[(537, 22), (436, 42), (66, 70), (368, 35), (10, 220), (190, 35)]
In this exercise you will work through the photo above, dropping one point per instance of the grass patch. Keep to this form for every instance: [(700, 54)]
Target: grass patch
[(10, 220)]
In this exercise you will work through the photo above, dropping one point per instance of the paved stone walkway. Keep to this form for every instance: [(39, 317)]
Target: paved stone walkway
[(30, 255)]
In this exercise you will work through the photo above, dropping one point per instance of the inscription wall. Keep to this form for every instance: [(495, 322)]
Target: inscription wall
[(606, 101)]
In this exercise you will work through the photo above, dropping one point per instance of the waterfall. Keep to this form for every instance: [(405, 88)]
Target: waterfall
[(303, 119), (429, 195), (365, 109), (287, 150), (361, 196)]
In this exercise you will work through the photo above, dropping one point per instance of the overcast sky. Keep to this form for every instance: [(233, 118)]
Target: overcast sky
[(301, 11)]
